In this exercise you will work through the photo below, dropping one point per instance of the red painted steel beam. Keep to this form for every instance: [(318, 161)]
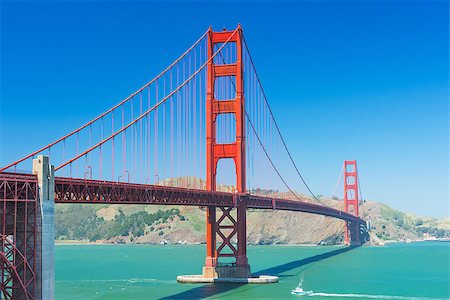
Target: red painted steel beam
[(223, 106), (259, 202), (224, 151), (222, 37), (81, 191), (224, 70), (71, 190)]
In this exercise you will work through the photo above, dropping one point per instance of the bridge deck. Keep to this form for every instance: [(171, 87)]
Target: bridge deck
[(85, 191)]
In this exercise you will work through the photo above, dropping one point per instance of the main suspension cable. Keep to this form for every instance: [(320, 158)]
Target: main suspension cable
[(149, 110), (277, 127), (109, 110)]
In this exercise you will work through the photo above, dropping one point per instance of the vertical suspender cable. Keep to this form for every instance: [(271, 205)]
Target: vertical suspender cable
[(193, 122), (112, 148), (156, 153)]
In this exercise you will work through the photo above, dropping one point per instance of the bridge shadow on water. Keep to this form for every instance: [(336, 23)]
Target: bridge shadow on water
[(209, 290)]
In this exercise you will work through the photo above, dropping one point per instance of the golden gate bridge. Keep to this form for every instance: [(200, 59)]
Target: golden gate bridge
[(164, 145)]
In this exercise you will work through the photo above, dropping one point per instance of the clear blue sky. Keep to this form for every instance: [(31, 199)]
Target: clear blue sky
[(346, 79)]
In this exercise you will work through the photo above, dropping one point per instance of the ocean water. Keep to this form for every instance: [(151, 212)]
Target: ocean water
[(397, 271)]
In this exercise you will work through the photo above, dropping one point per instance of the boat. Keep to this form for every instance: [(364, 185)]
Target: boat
[(300, 292)]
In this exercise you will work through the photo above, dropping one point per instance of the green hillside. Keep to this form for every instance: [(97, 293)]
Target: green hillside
[(163, 224)]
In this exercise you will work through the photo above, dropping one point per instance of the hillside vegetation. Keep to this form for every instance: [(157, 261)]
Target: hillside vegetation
[(163, 224)]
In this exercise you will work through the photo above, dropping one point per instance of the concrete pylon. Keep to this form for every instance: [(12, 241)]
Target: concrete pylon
[(45, 241)]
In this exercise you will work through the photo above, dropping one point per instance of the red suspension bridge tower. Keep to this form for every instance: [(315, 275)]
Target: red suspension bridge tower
[(226, 227), (351, 201)]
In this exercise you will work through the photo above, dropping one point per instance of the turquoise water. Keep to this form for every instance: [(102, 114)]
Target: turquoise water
[(397, 271)]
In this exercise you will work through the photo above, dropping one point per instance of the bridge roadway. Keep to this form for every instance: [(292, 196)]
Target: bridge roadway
[(85, 191)]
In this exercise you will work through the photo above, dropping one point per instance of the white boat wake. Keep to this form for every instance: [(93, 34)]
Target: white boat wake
[(298, 291), (365, 296)]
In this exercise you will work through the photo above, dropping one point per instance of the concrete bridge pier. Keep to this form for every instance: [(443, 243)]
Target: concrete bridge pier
[(45, 238)]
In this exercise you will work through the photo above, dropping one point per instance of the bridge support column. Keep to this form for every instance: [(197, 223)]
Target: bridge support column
[(209, 270), (231, 223), (241, 259), (45, 246), (351, 202), (228, 227), (353, 234)]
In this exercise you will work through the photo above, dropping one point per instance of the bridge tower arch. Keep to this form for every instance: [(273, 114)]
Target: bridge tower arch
[(216, 151)]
